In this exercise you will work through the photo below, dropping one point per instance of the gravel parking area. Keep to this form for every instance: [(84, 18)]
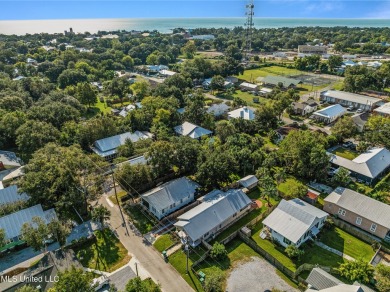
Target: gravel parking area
[(257, 275)]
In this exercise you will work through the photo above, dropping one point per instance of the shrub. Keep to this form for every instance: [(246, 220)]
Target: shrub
[(293, 252), (218, 251), (213, 282), (359, 270)]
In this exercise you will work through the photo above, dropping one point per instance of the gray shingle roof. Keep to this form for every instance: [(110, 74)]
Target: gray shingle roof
[(362, 205), (319, 279), (11, 195), (107, 146), (371, 163), (170, 192), (293, 218), (191, 130), (13, 223), (216, 208)]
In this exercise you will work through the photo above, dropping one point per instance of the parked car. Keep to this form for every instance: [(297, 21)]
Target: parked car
[(359, 110), (347, 144), (350, 108)]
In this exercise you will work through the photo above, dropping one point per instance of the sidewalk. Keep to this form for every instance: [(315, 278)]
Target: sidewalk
[(335, 251)]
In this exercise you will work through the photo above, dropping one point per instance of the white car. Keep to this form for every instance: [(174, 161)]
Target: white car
[(359, 110)]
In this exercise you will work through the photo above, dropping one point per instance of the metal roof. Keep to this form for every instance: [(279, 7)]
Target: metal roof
[(361, 205), (319, 279), (343, 288), (242, 112), (249, 85), (353, 97), (331, 111), (13, 223), (107, 146), (134, 161), (293, 218), (218, 109), (370, 164), (248, 181), (9, 158), (11, 195), (384, 109), (191, 130), (170, 192), (216, 208)]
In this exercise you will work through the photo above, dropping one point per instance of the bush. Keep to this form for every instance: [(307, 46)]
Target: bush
[(213, 282), (329, 224), (359, 270), (293, 252), (218, 251)]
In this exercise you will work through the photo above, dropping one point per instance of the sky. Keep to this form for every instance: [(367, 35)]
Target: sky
[(56, 9)]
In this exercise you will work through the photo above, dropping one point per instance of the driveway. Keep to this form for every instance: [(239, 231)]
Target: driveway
[(257, 275), (145, 255)]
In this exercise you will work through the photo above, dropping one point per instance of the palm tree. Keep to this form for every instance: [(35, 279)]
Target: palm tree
[(99, 214), (280, 176)]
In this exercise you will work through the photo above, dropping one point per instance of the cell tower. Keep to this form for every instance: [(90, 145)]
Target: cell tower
[(249, 27)]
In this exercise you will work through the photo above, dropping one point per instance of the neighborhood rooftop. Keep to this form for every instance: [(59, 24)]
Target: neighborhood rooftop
[(191, 130), (217, 207), (319, 279), (331, 111), (13, 223), (292, 218), (353, 97), (11, 195), (242, 112), (170, 192), (370, 164), (384, 109), (363, 205)]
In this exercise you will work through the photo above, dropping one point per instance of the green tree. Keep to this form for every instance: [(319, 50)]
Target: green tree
[(377, 131), (12, 103), (58, 231), (138, 285), (2, 237), (342, 177), (218, 251), (265, 117), (224, 129), (160, 157), (119, 86), (358, 270), (136, 176), (195, 110), (86, 94), (100, 214), (382, 276), (298, 190), (293, 252), (33, 135), (27, 288), (71, 77), (127, 149), (35, 233), (267, 184), (75, 280), (128, 62), (214, 282), (217, 82), (335, 61), (140, 89), (189, 50), (344, 128)]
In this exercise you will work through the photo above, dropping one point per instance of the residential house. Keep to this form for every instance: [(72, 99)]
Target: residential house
[(249, 182), (125, 111), (12, 223), (10, 195), (243, 113), (348, 63), (383, 110), (347, 99), (329, 114), (360, 120), (369, 166), (273, 81), (20, 77), (166, 73), (321, 281), (32, 62), (133, 161), (218, 109), (170, 196), (316, 50), (232, 79), (13, 174), (294, 222), (360, 210), (264, 91), (191, 130), (246, 86), (217, 211), (226, 85), (304, 108), (106, 147)]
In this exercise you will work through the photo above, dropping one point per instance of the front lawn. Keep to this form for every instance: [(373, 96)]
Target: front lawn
[(106, 254), (163, 242), (347, 243), (143, 222), (345, 153), (288, 185)]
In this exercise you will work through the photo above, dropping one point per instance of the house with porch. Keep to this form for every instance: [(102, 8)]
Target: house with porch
[(217, 211), (170, 196), (304, 108), (294, 222), (360, 210)]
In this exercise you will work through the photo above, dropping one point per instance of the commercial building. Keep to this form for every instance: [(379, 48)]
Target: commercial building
[(347, 99)]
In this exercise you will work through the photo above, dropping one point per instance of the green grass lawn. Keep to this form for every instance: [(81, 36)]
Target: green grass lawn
[(106, 254), (97, 108), (120, 194), (140, 220), (339, 85), (287, 185), (253, 74), (347, 243), (246, 96), (163, 242), (346, 153)]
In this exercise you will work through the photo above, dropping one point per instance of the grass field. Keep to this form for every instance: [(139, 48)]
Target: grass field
[(106, 254), (142, 222), (163, 242), (347, 244), (346, 153), (246, 96)]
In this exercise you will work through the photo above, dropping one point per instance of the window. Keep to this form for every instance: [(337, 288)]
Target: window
[(358, 220), (163, 211), (286, 241), (299, 241), (181, 201), (342, 212), (317, 224), (373, 227)]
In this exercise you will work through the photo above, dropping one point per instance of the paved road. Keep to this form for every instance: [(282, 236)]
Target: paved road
[(150, 259)]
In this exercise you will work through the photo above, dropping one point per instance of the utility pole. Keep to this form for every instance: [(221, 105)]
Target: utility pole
[(187, 248), (119, 205), (249, 27)]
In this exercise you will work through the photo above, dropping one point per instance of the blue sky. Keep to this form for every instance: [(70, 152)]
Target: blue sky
[(54, 9)]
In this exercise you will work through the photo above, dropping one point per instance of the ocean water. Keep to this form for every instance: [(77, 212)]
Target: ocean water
[(165, 25)]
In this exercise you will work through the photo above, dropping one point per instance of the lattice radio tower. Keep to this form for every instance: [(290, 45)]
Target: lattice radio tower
[(249, 27)]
